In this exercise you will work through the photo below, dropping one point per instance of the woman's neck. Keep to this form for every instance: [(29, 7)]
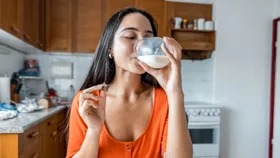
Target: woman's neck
[(126, 83)]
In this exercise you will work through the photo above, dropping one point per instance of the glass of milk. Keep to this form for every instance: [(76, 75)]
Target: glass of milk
[(149, 52)]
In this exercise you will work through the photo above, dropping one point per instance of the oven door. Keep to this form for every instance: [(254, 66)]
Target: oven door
[(205, 137)]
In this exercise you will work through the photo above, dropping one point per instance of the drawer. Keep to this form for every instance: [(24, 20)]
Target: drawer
[(30, 138), (50, 124), (30, 152)]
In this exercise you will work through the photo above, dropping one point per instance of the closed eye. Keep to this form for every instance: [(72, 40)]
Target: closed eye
[(131, 37)]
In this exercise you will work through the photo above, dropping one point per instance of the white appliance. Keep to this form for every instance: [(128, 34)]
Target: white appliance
[(204, 128)]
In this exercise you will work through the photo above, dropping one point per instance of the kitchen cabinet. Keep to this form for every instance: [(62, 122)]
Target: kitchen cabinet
[(112, 6), (44, 140), (88, 25), (10, 16), (59, 25), (196, 44), (156, 9), (40, 22), (29, 25)]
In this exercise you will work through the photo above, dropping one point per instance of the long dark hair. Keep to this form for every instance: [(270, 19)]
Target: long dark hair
[(103, 68)]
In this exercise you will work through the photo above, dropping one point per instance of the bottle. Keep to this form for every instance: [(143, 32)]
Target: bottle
[(71, 92)]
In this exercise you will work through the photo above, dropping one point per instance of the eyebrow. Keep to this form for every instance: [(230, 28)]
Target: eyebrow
[(135, 29)]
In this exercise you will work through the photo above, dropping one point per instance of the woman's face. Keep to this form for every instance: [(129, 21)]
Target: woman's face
[(133, 27)]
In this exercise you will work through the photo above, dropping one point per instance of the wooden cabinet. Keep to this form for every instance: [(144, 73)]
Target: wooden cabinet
[(40, 22), (88, 25), (112, 6), (29, 21), (10, 16), (44, 140), (59, 25), (196, 44), (156, 9)]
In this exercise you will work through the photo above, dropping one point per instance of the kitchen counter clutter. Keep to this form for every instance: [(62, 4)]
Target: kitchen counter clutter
[(24, 121)]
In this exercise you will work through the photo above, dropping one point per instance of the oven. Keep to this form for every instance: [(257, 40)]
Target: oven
[(205, 137), (204, 128)]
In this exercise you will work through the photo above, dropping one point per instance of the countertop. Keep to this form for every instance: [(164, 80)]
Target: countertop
[(23, 121)]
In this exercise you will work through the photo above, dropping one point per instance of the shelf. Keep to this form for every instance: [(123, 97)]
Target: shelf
[(191, 30), (31, 78), (198, 46)]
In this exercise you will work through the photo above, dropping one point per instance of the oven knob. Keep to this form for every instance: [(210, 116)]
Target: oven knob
[(211, 114), (205, 114), (194, 113), (216, 114)]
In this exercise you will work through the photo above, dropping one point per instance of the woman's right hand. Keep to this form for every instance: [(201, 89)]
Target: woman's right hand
[(92, 107)]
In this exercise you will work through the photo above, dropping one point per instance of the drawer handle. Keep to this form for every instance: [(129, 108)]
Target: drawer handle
[(35, 155), (14, 29), (27, 37), (33, 134), (54, 133), (51, 122), (40, 44)]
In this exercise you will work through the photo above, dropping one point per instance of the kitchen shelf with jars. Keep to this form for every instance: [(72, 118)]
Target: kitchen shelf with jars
[(192, 26)]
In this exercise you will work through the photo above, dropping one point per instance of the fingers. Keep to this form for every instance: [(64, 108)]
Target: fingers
[(168, 54), (94, 88), (177, 53)]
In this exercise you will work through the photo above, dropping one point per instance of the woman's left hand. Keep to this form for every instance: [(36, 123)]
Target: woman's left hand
[(168, 77)]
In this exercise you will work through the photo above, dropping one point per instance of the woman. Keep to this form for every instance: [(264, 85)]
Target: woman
[(141, 114)]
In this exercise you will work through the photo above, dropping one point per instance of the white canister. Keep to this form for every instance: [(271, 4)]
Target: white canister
[(200, 24), (5, 89), (209, 25)]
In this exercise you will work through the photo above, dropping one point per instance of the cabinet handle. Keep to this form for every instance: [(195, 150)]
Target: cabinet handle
[(14, 29), (33, 135), (54, 133), (35, 155), (40, 44), (27, 37), (51, 122)]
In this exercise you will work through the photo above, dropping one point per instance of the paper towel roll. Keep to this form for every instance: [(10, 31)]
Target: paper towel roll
[(5, 89)]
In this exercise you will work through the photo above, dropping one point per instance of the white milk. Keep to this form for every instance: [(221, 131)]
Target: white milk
[(154, 61)]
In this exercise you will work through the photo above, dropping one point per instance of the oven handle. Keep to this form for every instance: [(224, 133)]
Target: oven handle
[(204, 124)]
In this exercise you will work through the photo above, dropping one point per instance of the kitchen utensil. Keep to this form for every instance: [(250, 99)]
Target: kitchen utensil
[(178, 21), (209, 25), (201, 24)]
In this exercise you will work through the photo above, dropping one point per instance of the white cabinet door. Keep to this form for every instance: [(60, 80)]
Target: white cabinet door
[(276, 132)]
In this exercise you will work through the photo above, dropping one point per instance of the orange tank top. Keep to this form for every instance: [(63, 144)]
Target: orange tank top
[(151, 144)]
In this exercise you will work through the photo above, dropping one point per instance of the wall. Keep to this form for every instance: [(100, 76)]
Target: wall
[(10, 62), (242, 66), (81, 63), (276, 10)]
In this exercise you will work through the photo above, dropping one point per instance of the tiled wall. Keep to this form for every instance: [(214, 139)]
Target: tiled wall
[(10, 62), (197, 75), (81, 63)]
